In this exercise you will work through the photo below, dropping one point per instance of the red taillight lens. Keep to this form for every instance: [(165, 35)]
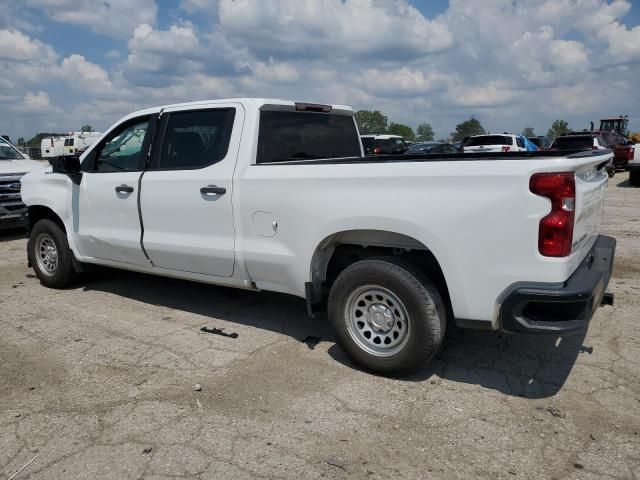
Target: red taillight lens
[(630, 153), (555, 234), (506, 149), (377, 150)]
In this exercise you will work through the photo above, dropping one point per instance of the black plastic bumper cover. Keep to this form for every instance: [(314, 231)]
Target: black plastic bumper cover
[(560, 307)]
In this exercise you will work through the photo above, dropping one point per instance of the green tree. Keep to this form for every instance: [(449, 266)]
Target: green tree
[(371, 121), (404, 131), (21, 142), (467, 128), (529, 132), (559, 127), (425, 132), (86, 128)]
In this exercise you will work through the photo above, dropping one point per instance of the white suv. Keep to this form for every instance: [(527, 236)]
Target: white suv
[(506, 142)]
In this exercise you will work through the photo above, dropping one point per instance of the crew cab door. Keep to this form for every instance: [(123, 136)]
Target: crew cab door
[(107, 221), (186, 193)]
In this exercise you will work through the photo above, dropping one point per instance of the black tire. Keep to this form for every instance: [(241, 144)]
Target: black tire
[(64, 273), (418, 298), (634, 177)]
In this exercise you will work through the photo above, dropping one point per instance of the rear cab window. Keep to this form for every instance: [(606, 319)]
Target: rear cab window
[(290, 136)]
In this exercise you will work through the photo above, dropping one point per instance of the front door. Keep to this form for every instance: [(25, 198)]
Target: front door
[(107, 223), (186, 193)]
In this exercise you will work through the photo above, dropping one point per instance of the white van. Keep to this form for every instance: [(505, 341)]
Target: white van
[(78, 142), (52, 147)]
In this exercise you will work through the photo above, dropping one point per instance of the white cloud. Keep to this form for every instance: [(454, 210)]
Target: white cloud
[(110, 17), (400, 81), (332, 28), (274, 72), (85, 75), (17, 46), (36, 102), (624, 43)]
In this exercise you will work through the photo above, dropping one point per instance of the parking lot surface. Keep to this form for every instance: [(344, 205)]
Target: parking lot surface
[(114, 379)]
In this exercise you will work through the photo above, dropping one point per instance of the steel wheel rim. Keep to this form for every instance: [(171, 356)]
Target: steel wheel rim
[(377, 320), (46, 254)]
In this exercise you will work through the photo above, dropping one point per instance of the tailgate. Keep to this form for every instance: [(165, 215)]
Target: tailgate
[(591, 182)]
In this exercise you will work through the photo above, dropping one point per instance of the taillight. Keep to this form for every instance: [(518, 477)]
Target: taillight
[(555, 234), (630, 153), (506, 149), (377, 150)]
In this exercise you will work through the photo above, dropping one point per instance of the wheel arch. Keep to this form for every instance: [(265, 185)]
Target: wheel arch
[(341, 249), (39, 212)]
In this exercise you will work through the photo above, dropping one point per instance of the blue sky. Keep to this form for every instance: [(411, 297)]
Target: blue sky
[(511, 64)]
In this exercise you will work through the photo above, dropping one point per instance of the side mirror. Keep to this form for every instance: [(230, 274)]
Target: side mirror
[(67, 165)]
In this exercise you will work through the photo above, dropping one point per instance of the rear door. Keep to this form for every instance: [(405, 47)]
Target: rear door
[(186, 196)]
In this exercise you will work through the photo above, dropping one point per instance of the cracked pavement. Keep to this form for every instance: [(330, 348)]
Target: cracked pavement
[(97, 381)]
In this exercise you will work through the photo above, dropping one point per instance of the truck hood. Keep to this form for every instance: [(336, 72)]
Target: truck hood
[(19, 166)]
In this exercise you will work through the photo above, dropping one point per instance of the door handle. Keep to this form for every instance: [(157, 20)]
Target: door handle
[(124, 189), (213, 190)]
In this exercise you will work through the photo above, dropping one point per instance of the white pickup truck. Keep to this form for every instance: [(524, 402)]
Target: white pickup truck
[(276, 195)]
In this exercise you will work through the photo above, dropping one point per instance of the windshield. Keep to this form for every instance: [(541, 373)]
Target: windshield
[(489, 140), (8, 152), (574, 142)]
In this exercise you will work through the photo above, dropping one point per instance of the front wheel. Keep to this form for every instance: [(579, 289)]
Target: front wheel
[(387, 315), (50, 255)]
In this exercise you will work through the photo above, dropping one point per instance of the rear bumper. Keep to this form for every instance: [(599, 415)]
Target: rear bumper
[(560, 307)]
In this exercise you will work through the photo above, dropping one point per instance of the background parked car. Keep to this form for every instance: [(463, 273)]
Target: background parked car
[(383, 144), (506, 142), (584, 141), (432, 147), (579, 141)]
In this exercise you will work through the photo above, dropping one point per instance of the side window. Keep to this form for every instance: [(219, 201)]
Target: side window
[(123, 149), (520, 142), (196, 139)]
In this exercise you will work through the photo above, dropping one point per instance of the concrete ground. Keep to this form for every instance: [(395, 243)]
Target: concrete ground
[(98, 381)]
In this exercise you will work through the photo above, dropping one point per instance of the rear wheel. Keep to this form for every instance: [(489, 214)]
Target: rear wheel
[(50, 255), (634, 177), (387, 315)]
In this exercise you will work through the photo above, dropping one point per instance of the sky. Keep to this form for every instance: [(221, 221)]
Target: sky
[(510, 63)]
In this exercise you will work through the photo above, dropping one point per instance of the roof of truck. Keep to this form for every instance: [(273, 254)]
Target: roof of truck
[(258, 102)]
